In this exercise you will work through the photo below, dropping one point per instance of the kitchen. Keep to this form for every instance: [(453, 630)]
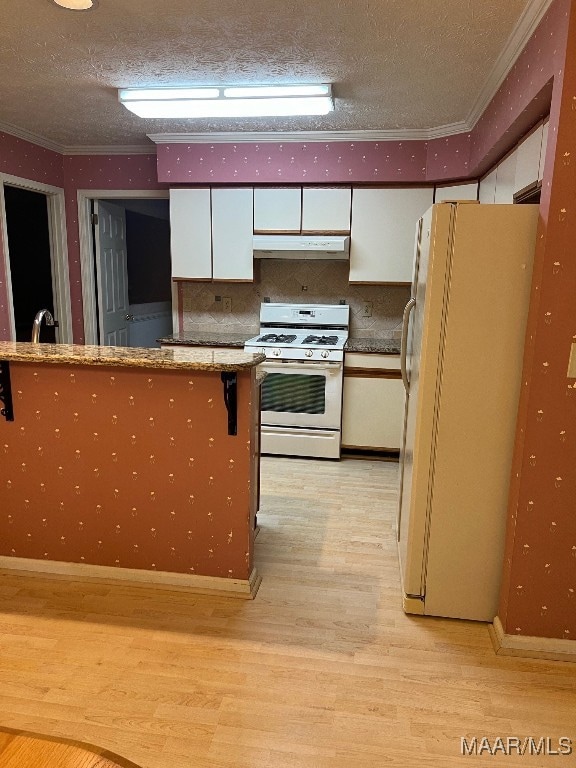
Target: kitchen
[(73, 172)]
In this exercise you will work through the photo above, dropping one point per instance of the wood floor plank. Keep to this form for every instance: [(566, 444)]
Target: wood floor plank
[(321, 670)]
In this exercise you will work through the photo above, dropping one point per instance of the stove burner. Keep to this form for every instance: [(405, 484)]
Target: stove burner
[(320, 340), (273, 338)]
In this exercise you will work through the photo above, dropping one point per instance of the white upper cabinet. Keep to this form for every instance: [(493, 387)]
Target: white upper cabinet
[(211, 234), (528, 160), (487, 190), (277, 209), (506, 180), (232, 235), (383, 232), (543, 151), (467, 191), (326, 209), (190, 234)]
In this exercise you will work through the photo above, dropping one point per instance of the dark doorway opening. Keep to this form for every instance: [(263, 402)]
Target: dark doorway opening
[(30, 259)]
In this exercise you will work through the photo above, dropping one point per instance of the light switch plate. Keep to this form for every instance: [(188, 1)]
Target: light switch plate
[(187, 305)]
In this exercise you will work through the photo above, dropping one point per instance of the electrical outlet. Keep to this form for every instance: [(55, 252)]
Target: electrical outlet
[(226, 304), (367, 308)]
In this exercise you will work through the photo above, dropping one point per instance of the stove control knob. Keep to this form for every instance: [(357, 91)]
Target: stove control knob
[(276, 352), (309, 353), (325, 353)]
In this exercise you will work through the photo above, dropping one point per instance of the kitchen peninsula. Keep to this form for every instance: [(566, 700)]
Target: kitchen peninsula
[(130, 464)]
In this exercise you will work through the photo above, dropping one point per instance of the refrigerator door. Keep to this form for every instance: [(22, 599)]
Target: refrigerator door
[(490, 283), (423, 360)]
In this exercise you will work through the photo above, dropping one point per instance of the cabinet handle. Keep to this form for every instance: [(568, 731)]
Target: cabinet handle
[(404, 343)]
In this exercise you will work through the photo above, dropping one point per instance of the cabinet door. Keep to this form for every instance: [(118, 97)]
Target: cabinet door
[(506, 180), (232, 234), (528, 160), (372, 410), (326, 209), (190, 234), (543, 151), (487, 190), (277, 209), (457, 192), (383, 232)]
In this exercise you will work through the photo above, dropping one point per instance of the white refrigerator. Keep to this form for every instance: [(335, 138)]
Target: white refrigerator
[(462, 350)]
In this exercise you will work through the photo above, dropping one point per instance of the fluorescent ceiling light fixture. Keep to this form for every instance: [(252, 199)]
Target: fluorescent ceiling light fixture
[(77, 5), (248, 92), (229, 101)]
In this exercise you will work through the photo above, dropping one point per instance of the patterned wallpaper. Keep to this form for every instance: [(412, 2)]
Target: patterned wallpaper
[(539, 591), (326, 282), (296, 162), (120, 467)]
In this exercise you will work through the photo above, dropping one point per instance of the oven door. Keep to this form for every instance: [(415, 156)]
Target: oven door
[(302, 394)]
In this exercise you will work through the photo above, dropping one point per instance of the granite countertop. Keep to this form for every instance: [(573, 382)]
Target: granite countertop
[(386, 345), (202, 339), (129, 357), (382, 346)]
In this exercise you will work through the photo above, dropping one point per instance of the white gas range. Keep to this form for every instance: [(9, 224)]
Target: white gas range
[(302, 393)]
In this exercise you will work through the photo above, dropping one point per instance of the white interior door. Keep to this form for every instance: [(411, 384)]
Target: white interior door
[(112, 274)]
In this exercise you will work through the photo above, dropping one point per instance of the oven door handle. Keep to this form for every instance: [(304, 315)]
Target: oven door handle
[(304, 364)]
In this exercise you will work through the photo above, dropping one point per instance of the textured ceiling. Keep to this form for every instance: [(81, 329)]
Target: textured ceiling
[(395, 64)]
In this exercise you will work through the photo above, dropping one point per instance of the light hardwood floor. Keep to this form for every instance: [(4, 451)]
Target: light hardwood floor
[(25, 750), (321, 670)]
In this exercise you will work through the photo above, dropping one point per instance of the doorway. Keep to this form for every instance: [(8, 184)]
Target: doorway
[(128, 294), (35, 256), (29, 260)]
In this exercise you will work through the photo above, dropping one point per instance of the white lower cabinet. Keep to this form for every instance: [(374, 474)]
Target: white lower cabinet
[(373, 402)]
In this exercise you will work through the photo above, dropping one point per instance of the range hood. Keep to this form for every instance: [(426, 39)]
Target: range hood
[(301, 246)]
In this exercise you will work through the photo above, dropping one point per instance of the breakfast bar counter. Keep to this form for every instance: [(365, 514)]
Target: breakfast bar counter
[(130, 464)]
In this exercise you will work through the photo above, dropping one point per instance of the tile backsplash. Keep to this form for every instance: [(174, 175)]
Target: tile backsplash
[(309, 282)]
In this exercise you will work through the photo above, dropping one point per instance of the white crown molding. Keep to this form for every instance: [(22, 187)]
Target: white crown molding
[(263, 137), (41, 141), (522, 32), (33, 138)]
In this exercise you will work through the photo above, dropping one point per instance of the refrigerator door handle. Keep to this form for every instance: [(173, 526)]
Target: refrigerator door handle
[(404, 343)]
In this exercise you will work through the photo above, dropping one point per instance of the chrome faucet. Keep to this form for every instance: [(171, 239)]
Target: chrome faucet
[(47, 315)]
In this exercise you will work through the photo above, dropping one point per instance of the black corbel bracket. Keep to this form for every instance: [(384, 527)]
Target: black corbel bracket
[(231, 401), (7, 409)]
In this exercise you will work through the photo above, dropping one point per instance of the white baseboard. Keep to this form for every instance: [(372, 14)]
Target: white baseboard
[(104, 574), (529, 646)]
